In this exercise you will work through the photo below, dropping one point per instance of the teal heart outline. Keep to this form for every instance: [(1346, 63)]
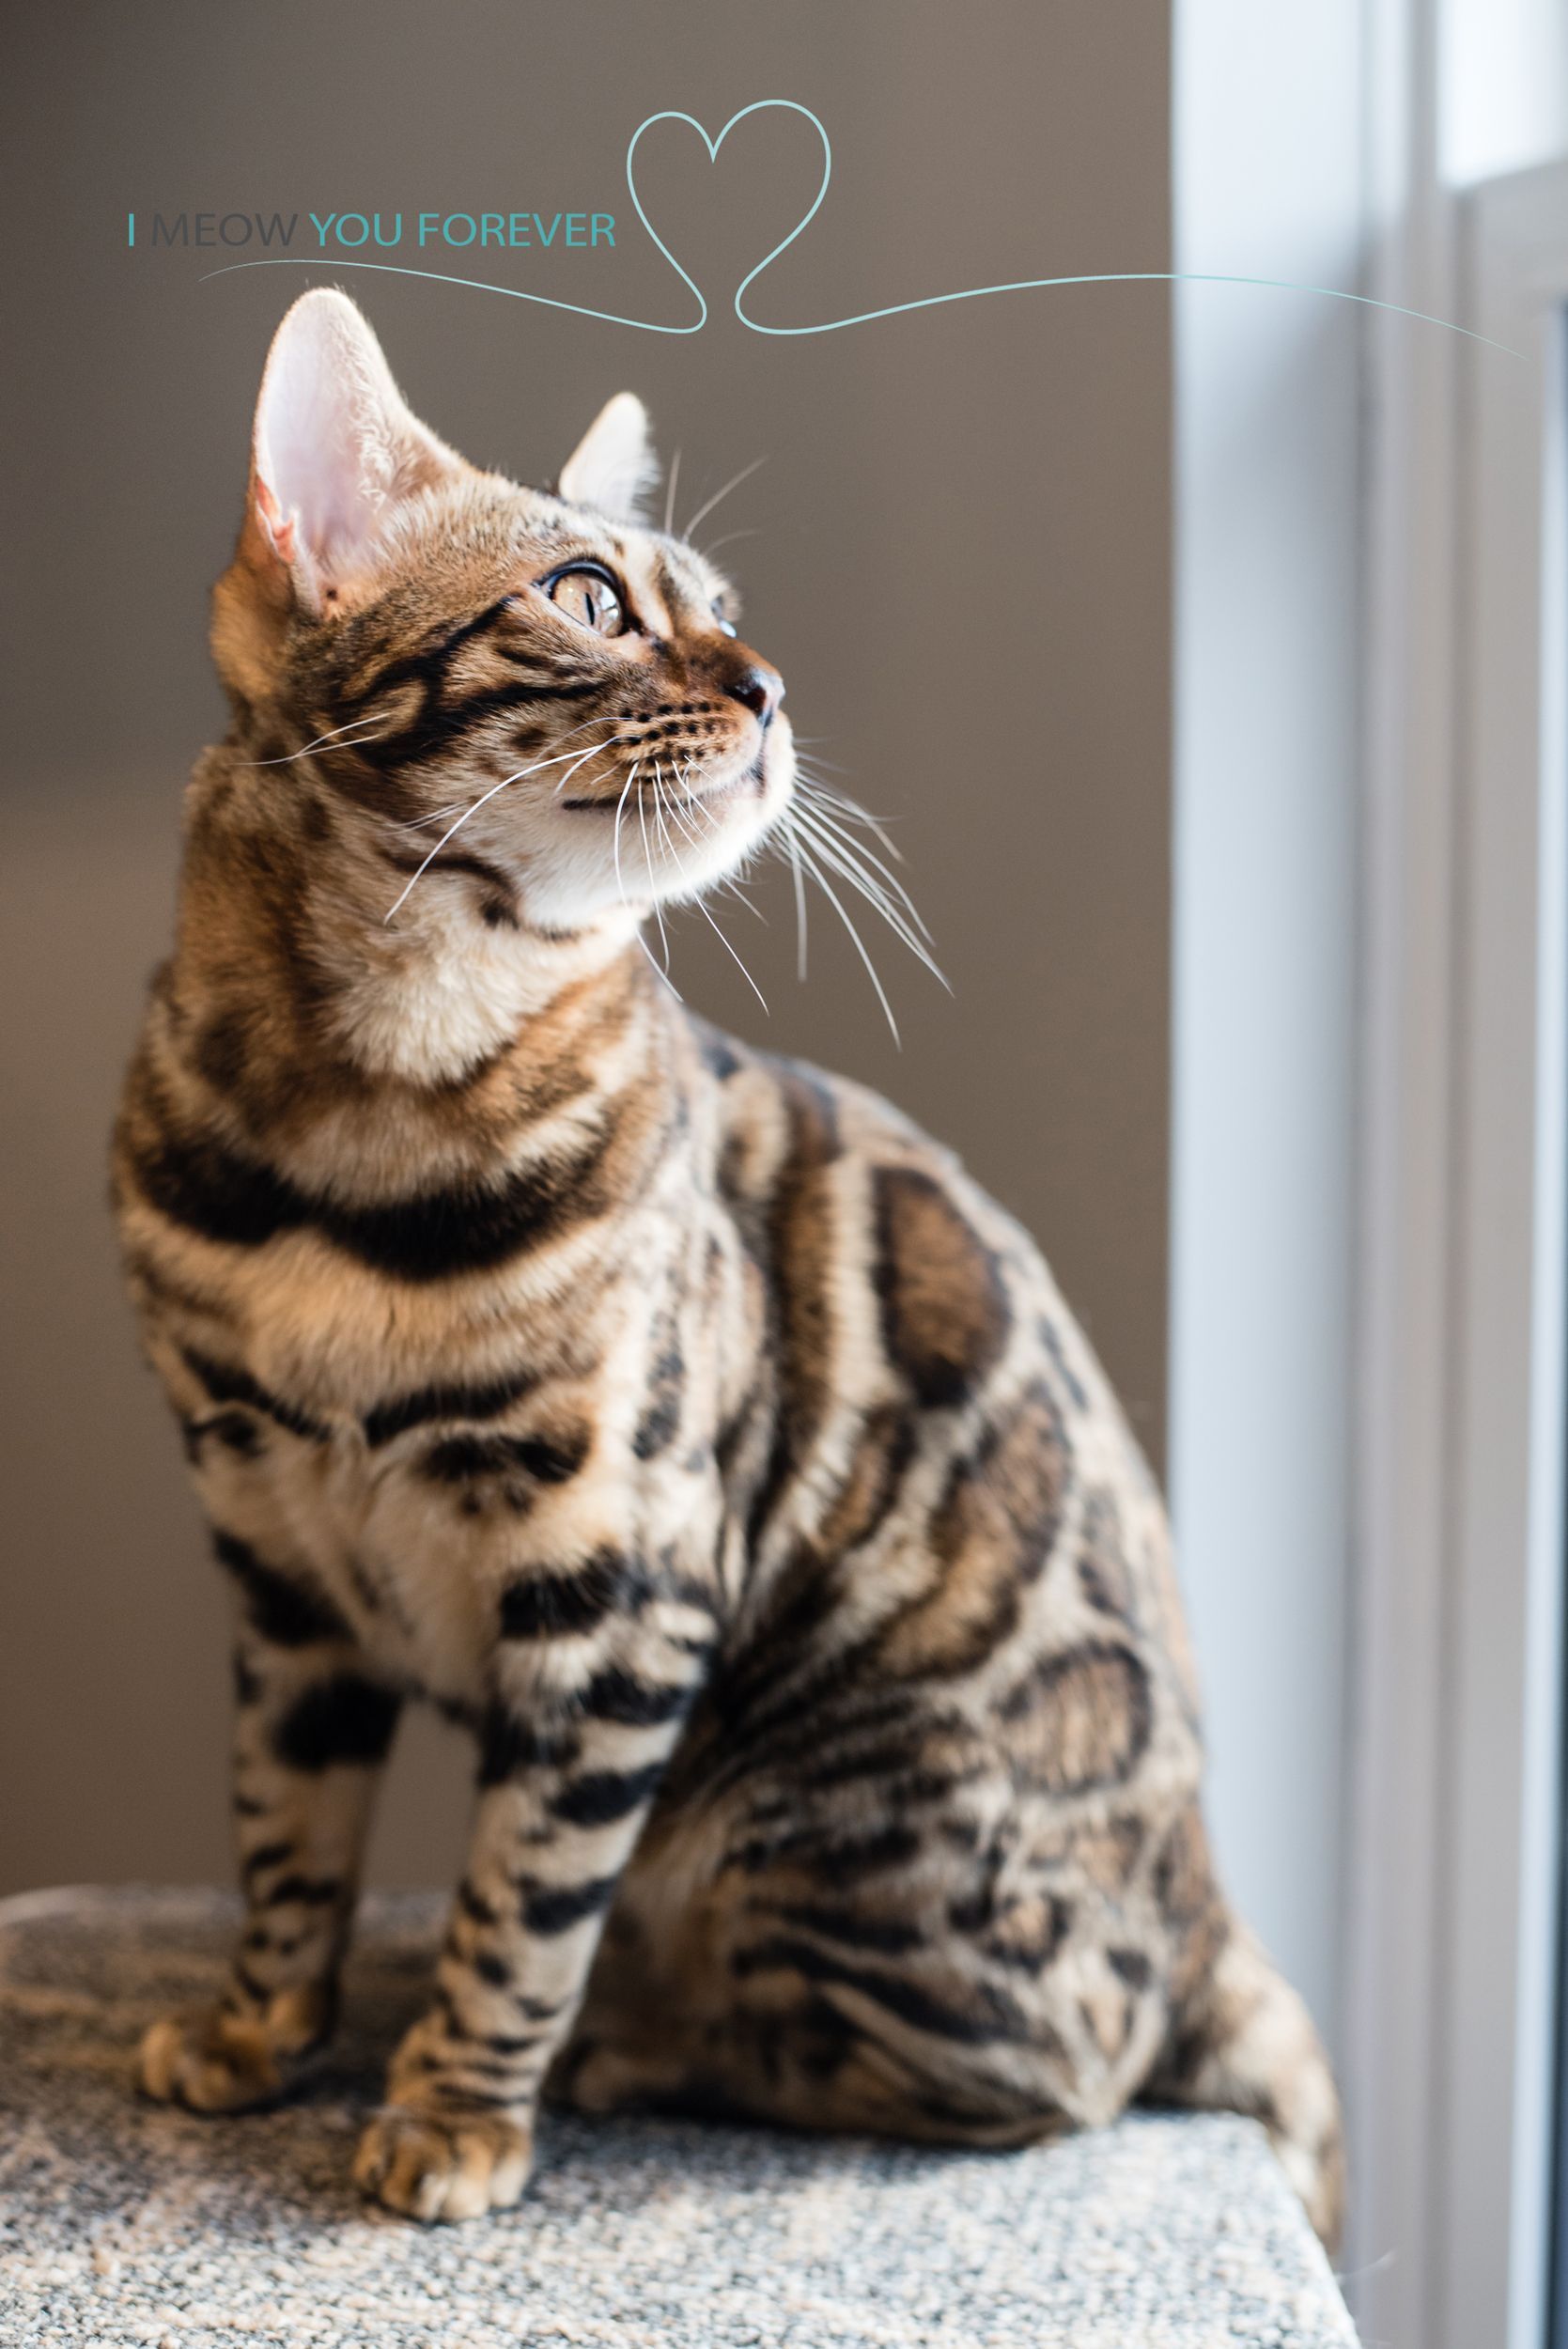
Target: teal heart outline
[(758, 105), (580, 309), (857, 318)]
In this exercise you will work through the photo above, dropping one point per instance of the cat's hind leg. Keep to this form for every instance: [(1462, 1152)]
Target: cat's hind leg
[(879, 2053), (812, 2069), (746, 2027), (311, 1730)]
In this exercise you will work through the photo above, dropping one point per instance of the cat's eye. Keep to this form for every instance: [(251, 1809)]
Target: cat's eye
[(588, 596), (726, 626)]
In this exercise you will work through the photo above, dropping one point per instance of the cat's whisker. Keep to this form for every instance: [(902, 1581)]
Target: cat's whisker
[(843, 813), (669, 494), (617, 741), (653, 894), (719, 495), (793, 848), (732, 953), (823, 772), (830, 813), (865, 862), (652, 961), (647, 862), (583, 723), (439, 815), (679, 815), (682, 811), (828, 795), (682, 802), (809, 756), (827, 889), (332, 736), (433, 815), (658, 814), (571, 760), (653, 966), (538, 767), (727, 539), (703, 908), (615, 843), (876, 900)]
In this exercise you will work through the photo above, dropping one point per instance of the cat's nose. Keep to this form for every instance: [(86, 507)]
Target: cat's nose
[(760, 686)]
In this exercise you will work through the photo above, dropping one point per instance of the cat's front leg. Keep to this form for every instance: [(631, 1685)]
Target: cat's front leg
[(312, 1728), (567, 1776)]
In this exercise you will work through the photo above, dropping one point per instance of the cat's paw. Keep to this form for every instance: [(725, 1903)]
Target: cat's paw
[(215, 2061), (453, 2165)]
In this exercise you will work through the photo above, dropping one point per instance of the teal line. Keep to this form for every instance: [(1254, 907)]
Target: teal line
[(860, 318), (1019, 285), (1128, 277), (130, 237), (332, 262)]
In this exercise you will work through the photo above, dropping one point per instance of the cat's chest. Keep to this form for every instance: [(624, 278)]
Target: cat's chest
[(354, 1521), (409, 1472)]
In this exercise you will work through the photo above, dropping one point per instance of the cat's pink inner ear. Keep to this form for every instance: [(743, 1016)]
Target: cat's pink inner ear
[(277, 528), (336, 448)]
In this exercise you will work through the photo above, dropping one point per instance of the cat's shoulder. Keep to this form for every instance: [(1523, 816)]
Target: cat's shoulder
[(822, 1112)]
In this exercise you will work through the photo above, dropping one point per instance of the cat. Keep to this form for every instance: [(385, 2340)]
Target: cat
[(679, 1418)]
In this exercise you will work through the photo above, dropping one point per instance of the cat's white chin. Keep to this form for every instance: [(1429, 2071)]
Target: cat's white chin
[(606, 861)]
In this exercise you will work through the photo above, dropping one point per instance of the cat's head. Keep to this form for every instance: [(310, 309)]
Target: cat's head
[(438, 633)]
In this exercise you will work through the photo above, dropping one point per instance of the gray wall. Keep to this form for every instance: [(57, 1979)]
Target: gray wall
[(960, 561)]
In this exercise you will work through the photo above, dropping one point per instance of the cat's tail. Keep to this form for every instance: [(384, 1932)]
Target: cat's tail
[(1242, 2041)]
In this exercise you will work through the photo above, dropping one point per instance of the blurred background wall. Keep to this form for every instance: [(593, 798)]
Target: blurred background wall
[(959, 557)]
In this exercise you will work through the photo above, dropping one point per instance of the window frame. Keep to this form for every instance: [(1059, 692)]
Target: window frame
[(1459, 1635)]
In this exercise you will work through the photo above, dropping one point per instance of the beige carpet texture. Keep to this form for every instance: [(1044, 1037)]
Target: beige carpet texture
[(121, 2222)]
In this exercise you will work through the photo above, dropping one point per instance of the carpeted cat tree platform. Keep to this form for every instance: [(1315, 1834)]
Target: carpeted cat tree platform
[(121, 2222)]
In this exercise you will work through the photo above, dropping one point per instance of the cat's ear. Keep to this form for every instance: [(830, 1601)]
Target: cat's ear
[(612, 466), (335, 451)]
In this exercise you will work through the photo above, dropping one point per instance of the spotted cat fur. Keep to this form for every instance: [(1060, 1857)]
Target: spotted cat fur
[(678, 1417)]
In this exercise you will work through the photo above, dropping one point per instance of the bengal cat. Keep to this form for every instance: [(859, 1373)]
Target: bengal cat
[(679, 1418)]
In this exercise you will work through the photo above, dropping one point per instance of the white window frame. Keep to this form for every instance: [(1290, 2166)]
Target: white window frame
[(1459, 1632), (1269, 182)]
